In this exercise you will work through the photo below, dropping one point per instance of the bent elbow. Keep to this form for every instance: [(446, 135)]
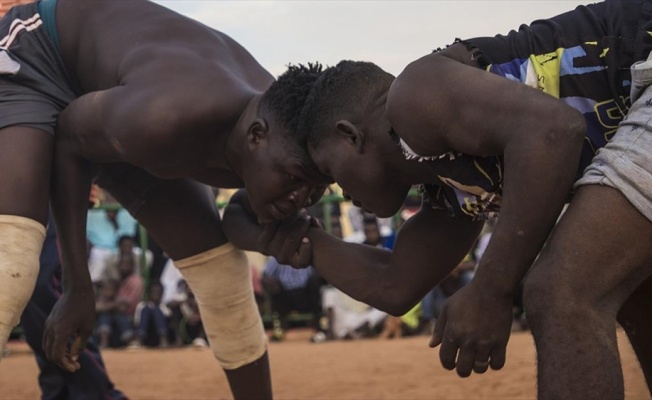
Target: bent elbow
[(399, 303)]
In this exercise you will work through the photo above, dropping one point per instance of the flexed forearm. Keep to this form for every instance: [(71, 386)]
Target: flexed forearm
[(361, 271), (72, 183), (539, 173), (428, 247), (86, 135), (72, 177)]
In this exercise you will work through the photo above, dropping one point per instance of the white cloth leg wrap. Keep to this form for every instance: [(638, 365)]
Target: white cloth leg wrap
[(221, 281), (21, 240)]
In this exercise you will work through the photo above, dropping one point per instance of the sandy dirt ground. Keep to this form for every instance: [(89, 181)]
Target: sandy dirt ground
[(365, 369)]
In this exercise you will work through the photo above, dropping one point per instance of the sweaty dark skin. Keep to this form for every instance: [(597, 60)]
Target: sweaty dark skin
[(373, 171), (167, 106), (567, 301)]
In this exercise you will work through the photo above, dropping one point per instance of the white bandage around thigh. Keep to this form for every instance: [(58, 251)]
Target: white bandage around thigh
[(221, 281), (21, 240)]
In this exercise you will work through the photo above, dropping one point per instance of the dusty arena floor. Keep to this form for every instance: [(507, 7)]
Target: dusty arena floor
[(366, 369)]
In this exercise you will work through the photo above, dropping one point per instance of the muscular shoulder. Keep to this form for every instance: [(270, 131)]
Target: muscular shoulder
[(149, 121), (186, 87), (419, 103), (446, 102), (191, 101), (140, 39)]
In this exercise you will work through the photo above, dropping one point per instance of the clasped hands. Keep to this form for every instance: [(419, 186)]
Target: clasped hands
[(286, 239)]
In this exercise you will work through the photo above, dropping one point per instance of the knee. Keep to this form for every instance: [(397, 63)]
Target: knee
[(534, 295), (552, 300), (545, 298)]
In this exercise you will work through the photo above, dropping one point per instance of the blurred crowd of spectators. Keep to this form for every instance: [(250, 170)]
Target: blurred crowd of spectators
[(142, 299)]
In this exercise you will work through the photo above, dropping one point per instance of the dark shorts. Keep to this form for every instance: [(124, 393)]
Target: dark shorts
[(34, 85)]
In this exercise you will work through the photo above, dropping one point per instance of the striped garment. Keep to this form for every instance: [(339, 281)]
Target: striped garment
[(581, 57), (34, 84), (18, 25)]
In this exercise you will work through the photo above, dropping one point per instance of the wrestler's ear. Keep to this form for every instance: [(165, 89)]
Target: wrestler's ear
[(258, 132), (351, 133)]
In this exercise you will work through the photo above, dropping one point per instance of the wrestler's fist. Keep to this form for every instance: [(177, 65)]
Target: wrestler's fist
[(473, 330), (68, 328), (286, 240)]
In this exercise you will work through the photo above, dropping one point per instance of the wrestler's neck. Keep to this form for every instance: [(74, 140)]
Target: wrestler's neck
[(410, 172), (376, 125)]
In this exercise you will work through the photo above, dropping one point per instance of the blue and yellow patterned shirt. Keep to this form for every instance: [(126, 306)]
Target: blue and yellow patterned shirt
[(581, 57)]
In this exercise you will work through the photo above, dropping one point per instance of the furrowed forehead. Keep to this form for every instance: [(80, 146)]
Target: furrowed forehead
[(296, 158), (288, 151), (289, 143)]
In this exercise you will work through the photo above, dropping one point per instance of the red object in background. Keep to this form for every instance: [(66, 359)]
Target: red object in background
[(5, 5)]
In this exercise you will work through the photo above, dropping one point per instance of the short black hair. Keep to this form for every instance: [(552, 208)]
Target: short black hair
[(285, 98), (123, 238), (343, 91)]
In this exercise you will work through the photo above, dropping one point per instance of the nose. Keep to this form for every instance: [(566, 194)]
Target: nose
[(316, 194), (300, 197)]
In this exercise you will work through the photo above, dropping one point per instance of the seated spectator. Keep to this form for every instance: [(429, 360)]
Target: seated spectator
[(151, 319), (173, 289), (103, 228), (130, 290), (192, 326), (126, 247), (290, 290), (175, 292), (361, 221), (116, 306), (173, 303), (371, 231), (113, 323), (349, 318)]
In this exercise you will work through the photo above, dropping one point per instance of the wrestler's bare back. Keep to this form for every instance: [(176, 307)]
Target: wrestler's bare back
[(189, 83)]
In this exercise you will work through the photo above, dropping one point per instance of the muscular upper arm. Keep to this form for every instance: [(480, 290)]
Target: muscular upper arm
[(138, 123), (439, 104), (99, 124)]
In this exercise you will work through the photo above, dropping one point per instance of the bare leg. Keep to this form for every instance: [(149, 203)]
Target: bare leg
[(597, 256), (634, 316), (244, 381), (182, 217), (25, 162)]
